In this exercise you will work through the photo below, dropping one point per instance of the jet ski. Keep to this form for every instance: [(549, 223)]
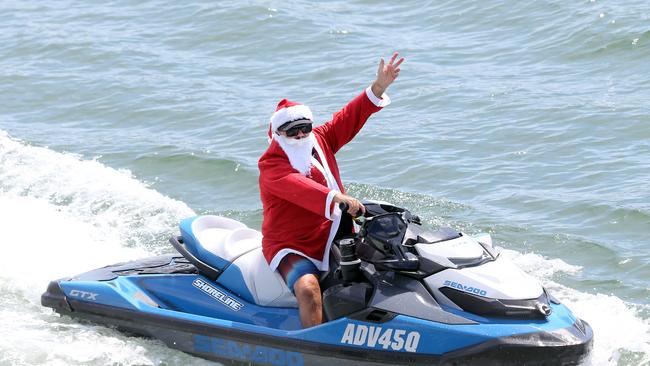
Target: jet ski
[(395, 294)]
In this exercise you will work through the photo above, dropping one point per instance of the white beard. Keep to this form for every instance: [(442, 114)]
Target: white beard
[(298, 151)]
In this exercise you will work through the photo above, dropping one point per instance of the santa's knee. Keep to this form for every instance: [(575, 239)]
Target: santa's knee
[(307, 289)]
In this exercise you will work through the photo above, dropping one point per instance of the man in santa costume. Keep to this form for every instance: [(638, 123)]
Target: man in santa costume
[(300, 188)]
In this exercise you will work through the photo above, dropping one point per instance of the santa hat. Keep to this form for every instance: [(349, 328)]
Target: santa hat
[(288, 111)]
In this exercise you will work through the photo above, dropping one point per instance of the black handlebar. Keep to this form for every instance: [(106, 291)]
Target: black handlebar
[(345, 207)]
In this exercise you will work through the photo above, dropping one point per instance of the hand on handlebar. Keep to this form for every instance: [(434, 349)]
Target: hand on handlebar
[(354, 207)]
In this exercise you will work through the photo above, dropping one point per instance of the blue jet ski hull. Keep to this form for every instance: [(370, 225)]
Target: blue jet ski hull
[(166, 298)]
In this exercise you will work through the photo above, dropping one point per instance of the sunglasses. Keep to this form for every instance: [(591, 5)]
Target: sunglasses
[(293, 131)]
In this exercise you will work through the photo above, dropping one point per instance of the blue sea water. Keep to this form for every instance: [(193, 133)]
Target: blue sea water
[(528, 120)]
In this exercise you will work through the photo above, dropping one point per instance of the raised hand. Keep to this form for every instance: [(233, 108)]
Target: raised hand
[(386, 74)]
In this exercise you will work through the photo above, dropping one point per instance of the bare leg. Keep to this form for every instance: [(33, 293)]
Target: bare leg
[(310, 303)]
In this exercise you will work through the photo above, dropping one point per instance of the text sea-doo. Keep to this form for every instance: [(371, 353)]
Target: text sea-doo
[(395, 295)]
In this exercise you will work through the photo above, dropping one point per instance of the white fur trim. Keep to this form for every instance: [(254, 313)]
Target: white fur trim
[(328, 202), (329, 177), (275, 262), (323, 265), (335, 216), (288, 114), (384, 101), (336, 221), (331, 181)]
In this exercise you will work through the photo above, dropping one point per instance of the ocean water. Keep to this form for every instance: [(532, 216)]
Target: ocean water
[(527, 120)]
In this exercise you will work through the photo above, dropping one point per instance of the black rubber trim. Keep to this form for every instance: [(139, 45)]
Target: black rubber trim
[(132, 319), (162, 264), (373, 315), (55, 298), (500, 308), (205, 269), (502, 351), (517, 350)]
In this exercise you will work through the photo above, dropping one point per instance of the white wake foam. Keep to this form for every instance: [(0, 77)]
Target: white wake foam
[(112, 201), (621, 334), (61, 215)]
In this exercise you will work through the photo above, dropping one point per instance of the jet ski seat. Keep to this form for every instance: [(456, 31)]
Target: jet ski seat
[(211, 232), (236, 249)]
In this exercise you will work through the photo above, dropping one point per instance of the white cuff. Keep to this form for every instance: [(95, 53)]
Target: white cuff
[(328, 203), (384, 101)]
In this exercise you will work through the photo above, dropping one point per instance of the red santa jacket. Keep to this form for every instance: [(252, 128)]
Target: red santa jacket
[(298, 213)]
